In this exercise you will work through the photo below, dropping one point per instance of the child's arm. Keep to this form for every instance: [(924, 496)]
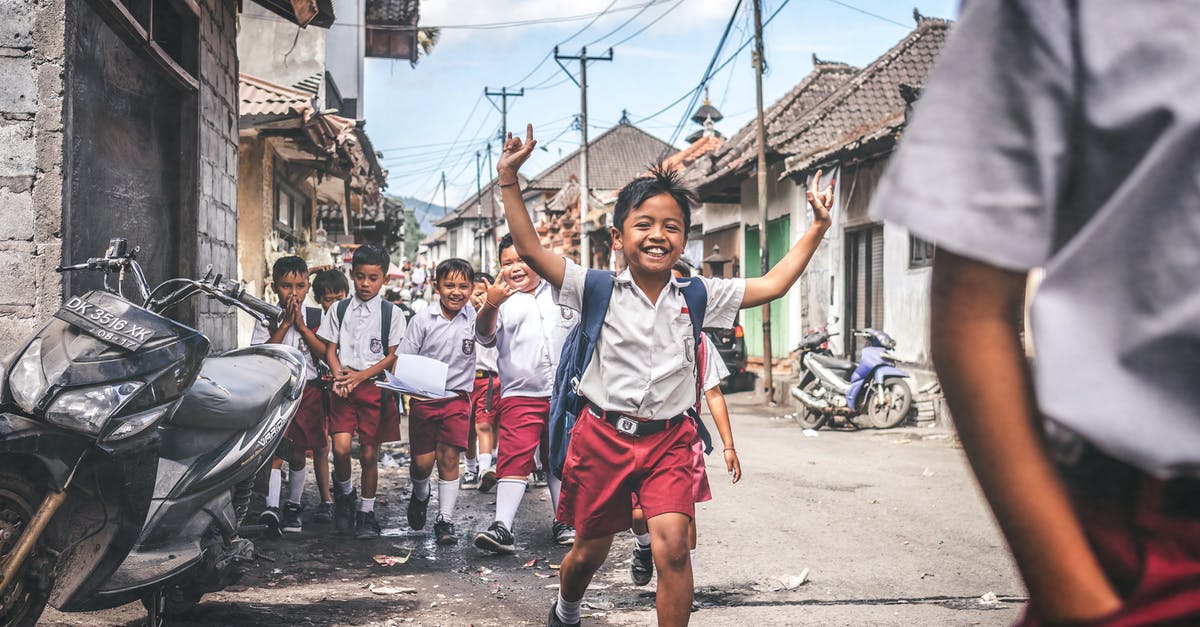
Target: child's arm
[(720, 416), (989, 391), (316, 346), (335, 366), (779, 279), (485, 319), (525, 238), (356, 378)]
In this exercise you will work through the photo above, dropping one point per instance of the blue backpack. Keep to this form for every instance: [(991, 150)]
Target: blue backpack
[(565, 401)]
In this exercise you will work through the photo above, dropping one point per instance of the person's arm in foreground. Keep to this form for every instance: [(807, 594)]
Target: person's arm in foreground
[(525, 238), (720, 416), (779, 279), (975, 317)]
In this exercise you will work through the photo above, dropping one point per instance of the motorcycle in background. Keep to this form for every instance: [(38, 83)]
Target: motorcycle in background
[(127, 454), (872, 392)]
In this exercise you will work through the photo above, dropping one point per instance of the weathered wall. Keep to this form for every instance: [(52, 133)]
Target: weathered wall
[(32, 58), (279, 51)]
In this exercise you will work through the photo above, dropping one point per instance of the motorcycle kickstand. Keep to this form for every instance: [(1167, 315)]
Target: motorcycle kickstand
[(155, 607)]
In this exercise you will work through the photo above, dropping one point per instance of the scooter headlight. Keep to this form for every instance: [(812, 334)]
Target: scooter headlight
[(27, 379), (137, 423), (87, 409)]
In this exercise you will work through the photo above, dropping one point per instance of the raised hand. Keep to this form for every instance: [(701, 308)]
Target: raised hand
[(515, 154), (499, 292), (820, 200)]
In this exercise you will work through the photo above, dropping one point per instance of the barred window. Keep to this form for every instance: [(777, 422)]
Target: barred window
[(920, 252)]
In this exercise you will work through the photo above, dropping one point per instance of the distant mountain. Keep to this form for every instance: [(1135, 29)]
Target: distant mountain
[(425, 212)]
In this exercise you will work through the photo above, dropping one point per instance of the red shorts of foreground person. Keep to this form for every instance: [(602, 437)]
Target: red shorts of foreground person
[(375, 416), (605, 468), (446, 421), (309, 430), (523, 421)]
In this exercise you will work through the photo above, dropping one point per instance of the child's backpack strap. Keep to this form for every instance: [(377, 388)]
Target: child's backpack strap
[(385, 323), (597, 292), (312, 317), (696, 297)]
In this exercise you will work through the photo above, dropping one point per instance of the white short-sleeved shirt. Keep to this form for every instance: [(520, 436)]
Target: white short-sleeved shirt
[(359, 343), (644, 364), (262, 334), (487, 358), (530, 331), (715, 369), (451, 342), (1064, 135)]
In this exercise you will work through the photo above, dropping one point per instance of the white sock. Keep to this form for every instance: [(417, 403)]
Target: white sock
[(273, 485), (508, 498), (495, 452), (472, 465), (295, 486), (366, 504), (693, 555), (447, 497), (421, 489), (344, 487), (568, 611), (642, 539), (555, 485), (485, 461), (537, 457)]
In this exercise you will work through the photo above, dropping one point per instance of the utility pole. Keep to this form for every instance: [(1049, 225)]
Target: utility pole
[(585, 244), (495, 239), (764, 261), (479, 204), (444, 205), (504, 96)]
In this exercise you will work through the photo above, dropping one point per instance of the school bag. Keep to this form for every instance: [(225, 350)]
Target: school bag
[(385, 319), (565, 401)]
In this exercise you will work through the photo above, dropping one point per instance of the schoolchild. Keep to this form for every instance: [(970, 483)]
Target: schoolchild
[(363, 332), (641, 567), (297, 329), (328, 287), (641, 377), (438, 428), (484, 396), (520, 318)]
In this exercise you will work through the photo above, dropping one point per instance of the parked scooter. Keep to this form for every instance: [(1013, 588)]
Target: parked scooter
[(830, 387), (127, 455)]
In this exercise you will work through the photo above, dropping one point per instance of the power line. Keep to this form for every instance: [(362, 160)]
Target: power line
[(874, 15), (652, 23), (707, 72), (623, 25), (541, 20)]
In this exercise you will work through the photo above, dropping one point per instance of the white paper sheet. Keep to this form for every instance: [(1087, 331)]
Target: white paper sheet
[(417, 376)]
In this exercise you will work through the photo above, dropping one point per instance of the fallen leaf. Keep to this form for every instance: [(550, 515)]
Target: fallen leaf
[(531, 563), (555, 566), (392, 560)]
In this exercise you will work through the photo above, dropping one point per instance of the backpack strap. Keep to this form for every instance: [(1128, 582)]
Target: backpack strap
[(597, 292), (385, 323), (312, 317), (696, 297)]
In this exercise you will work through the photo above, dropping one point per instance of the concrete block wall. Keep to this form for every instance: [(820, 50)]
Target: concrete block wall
[(32, 57)]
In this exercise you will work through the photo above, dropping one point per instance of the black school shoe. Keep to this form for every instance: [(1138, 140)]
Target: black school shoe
[(365, 526), (418, 511), (564, 534), (443, 530), (553, 620), (343, 512), (270, 518), (487, 480), (324, 513), (641, 567), (290, 522), (497, 539)]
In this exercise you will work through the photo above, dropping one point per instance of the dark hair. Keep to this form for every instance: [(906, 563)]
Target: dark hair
[(371, 255), (505, 242), (329, 282), (288, 265), (660, 180), (392, 295), (481, 277), (451, 267), (682, 268)]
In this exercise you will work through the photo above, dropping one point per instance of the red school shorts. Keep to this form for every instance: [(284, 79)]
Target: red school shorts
[(484, 397), (701, 490), (605, 468), (446, 421), (375, 416), (523, 426), (309, 430)]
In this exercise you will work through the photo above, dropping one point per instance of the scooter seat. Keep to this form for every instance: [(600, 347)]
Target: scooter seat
[(834, 363), (233, 393)]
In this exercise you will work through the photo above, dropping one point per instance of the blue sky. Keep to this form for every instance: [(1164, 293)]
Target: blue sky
[(431, 118)]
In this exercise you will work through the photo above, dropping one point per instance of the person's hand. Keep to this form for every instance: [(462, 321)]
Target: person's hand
[(289, 315), (499, 292), (345, 381), (821, 200), (732, 465), (296, 308), (515, 154), (316, 269)]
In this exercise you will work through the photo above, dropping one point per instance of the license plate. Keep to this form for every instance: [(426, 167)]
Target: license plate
[(104, 324)]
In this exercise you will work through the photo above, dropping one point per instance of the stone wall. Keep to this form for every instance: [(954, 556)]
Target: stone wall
[(32, 34)]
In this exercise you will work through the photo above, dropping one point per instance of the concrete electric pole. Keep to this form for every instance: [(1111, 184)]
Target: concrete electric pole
[(585, 245), (764, 260)]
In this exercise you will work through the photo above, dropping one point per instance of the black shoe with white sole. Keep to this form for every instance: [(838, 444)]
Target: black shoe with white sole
[(497, 539)]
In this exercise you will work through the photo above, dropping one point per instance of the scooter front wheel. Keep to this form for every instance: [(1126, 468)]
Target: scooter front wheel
[(25, 600), (807, 417), (889, 402)]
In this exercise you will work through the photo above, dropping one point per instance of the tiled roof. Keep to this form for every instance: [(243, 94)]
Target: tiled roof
[(489, 204), (437, 236), (615, 157), (260, 97), (405, 12), (699, 148), (312, 84), (868, 102)]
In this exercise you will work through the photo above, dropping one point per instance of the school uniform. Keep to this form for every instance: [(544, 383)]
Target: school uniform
[(486, 390), (452, 342), (307, 430), (1086, 167), (375, 416), (530, 331), (643, 369)]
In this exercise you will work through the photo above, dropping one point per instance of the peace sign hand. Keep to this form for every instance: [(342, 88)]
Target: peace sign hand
[(515, 154), (821, 200)]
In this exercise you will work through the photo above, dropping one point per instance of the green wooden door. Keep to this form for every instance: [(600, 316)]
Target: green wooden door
[(779, 241)]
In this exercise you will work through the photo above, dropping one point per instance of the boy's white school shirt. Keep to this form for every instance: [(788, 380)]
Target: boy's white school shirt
[(487, 358), (451, 342), (359, 343), (530, 331), (292, 337), (644, 363), (714, 367)]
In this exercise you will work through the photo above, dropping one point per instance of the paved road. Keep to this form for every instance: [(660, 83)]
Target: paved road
[(889, 525)]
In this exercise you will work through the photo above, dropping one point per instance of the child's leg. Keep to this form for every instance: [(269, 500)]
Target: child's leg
[(321, 470), (341, 462), (447, 461), (275, 481), (638, 524), (486, 441), (669, 539), (579, 565), (692, 534), (368, 460), (296, 475)]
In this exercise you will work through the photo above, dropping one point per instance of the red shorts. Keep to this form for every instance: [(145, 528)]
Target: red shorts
[(445, 421), (309, 430), (484, 398), (701, 490), (365, 411), (604, 469), (523, 426)]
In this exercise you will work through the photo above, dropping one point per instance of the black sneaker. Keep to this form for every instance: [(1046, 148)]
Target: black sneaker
[(343, 512), (443, 530), (324, 513), (540, 479), (417, 511), (470, 480), (365, 526), (497, 539), (564, 534), (553, 620), (641, 568), (487, 480), (270, 518), (290, 522)]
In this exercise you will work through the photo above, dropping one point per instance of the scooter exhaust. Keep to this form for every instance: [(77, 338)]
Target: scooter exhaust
[(809, 400)]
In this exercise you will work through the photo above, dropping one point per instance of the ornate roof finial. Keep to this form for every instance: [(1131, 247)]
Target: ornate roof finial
[(625, 118), (917, 17)]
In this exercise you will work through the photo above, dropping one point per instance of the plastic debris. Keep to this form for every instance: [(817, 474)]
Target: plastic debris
[(989, 599), (599, 605), (387, 461), (555, 566), (392, 560), (810, 433), (927, 473), (531, 563), (794, 581), (387, 590)]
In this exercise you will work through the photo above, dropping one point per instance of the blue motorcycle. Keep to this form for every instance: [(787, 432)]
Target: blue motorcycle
[(872, 392)]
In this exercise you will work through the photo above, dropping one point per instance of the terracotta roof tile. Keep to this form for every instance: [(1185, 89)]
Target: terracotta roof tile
[(615, 157), (258, 97)]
